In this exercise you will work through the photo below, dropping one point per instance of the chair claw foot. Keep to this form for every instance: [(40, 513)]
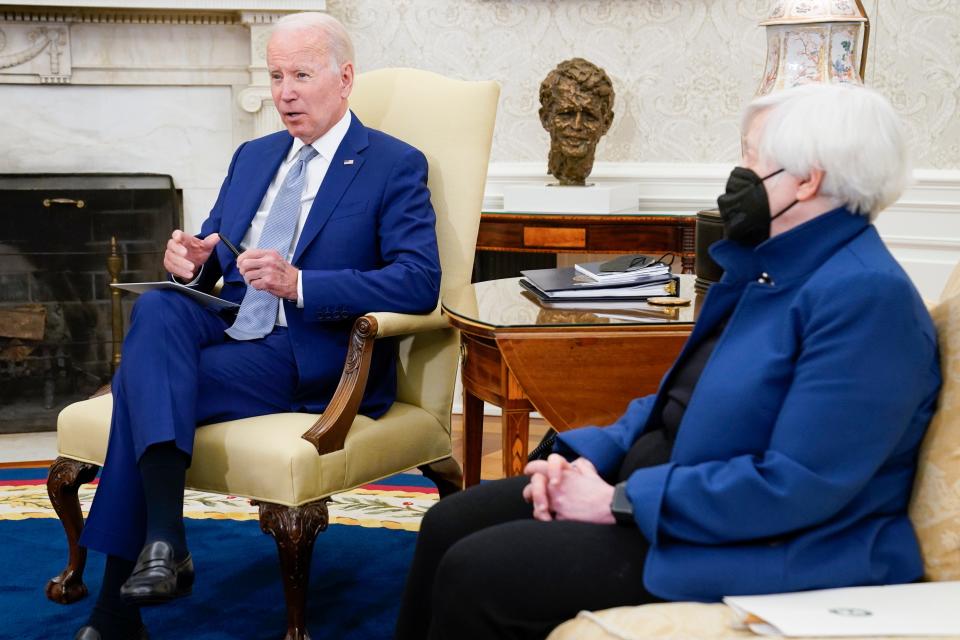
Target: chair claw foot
[(65, 588)]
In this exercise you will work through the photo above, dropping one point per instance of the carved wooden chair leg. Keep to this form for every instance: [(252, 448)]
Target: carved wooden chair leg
[(446, 474), (63, 481), (295, 529)]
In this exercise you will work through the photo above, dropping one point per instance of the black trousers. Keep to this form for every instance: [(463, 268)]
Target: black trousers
[(484, 568)]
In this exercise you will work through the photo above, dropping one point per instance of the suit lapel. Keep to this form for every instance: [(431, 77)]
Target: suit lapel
[(343, 168), (258, 178)]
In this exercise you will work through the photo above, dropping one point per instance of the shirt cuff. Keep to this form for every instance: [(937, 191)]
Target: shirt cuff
[(299, 289)]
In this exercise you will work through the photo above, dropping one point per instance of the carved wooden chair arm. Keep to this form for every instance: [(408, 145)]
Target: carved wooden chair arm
[(397, 324), (330, 430)]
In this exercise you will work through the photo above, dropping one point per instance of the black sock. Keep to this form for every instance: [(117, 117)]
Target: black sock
[(111, 616), (163, 468)]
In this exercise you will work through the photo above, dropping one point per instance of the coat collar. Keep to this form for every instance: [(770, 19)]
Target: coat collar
[(258, 176), (339, 175), (792, 254)]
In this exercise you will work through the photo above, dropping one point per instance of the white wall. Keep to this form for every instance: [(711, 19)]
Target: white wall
[(170, 91), (682, 71)]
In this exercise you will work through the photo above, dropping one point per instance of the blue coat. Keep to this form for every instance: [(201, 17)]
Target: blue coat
[(793, 464), (368, 244)]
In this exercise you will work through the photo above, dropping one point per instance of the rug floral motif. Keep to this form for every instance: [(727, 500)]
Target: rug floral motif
[(368, 506)]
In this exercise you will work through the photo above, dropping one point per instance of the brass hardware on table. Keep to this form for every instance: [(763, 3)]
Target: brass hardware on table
[(49, 202), (114, 266), (463, 353)]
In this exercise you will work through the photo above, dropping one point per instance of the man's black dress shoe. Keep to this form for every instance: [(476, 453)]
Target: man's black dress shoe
[(157, 578), (89, 633)]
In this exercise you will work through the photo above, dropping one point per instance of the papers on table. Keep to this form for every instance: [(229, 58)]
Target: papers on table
[(919, 609), (592, 295), (595, 272), (629, 278)]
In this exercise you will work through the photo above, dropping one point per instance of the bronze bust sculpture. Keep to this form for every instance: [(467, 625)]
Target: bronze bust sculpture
[(576, 108)]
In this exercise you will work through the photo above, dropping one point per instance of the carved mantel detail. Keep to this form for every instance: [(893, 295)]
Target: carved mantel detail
[(23, 57), (256, 98), (36, 40)]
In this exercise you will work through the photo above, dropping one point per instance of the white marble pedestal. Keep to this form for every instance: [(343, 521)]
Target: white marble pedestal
[(553, 198)]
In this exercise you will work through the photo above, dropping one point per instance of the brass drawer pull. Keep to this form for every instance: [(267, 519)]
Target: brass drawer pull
[(49, 202), (463, 352)]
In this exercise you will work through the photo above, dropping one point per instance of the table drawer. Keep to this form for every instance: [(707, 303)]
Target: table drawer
[(555, 237), (635, 238)]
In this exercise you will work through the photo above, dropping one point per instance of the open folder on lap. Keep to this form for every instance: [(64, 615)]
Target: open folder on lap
[(203, 298), (919, 609)]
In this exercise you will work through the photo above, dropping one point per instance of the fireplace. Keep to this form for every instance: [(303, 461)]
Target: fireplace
[(57, 320)]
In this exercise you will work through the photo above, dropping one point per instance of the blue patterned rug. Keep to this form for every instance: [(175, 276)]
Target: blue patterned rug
[(356, 578)]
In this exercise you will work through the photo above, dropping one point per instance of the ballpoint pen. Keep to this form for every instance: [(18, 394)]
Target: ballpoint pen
[(230, 246)]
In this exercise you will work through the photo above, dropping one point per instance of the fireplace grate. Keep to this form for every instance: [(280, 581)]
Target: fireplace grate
[(56, 317)]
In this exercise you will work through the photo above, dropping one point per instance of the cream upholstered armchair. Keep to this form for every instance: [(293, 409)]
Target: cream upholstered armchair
[(291, 463), (934, 511)]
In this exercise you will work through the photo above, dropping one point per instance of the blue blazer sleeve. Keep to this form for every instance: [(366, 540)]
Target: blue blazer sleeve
[(858, 382), (409, 281), (212, 270), (606, 446)]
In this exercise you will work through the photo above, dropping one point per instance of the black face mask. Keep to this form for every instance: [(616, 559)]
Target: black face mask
[(744, 208)]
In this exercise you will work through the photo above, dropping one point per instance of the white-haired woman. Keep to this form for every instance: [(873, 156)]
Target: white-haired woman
[(779, 452)]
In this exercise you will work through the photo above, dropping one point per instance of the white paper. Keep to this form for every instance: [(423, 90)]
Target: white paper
[(203, 298), (920, 609)]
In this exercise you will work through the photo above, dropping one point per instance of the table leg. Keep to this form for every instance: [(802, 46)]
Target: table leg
[(515, 426), (472, 438)]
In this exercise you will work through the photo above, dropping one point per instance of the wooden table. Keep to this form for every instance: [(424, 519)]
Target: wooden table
[(574, 366), (626, 232)]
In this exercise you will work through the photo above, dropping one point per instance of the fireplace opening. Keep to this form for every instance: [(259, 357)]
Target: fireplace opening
[(56, 316)]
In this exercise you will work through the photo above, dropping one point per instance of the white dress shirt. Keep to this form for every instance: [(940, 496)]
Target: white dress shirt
[(326, 146)]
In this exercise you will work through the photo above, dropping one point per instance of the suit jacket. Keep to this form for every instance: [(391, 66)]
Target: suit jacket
[(793, 464), (368, 244)]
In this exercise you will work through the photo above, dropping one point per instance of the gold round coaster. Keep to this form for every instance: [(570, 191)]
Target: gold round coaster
[(669, 301)]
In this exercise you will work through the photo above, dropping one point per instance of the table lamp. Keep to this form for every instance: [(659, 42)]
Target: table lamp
[(814, 41)]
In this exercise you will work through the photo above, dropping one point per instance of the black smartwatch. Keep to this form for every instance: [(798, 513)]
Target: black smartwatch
[(620, 506)]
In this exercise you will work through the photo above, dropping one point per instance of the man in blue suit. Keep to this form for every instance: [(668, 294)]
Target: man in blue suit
[(333, 220)]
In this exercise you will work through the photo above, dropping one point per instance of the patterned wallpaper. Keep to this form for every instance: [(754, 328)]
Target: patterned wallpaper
[(682, 69)]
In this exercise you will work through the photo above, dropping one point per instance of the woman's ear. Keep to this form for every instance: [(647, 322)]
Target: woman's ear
[(809, 187)]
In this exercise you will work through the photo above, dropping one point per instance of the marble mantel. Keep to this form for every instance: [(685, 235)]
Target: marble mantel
[(160, 86)]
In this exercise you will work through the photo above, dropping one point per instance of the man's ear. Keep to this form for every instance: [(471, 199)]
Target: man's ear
[(809, 187), (346, 79)]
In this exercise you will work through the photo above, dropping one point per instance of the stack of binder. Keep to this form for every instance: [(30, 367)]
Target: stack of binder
[(594, 282)]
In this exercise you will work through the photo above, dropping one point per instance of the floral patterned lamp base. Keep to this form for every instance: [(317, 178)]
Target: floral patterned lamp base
[(813, 41)]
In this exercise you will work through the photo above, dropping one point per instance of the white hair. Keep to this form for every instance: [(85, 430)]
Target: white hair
[(326, 29), (848, 131)]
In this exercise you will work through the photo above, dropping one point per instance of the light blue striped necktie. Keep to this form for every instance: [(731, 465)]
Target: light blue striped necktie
[(258, 311)]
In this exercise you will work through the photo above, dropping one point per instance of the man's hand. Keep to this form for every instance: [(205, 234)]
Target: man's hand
[(266, 270), (568, 491), (185, 254)]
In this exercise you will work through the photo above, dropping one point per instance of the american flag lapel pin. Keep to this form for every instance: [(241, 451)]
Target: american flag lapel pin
[(348, 162)]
